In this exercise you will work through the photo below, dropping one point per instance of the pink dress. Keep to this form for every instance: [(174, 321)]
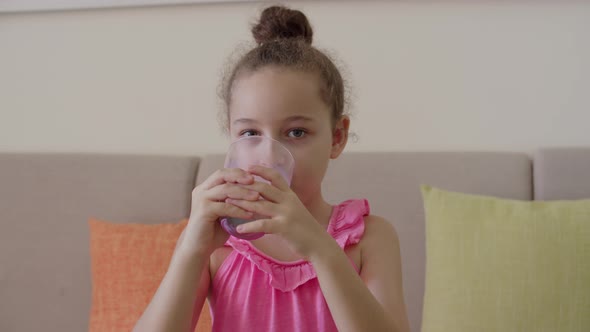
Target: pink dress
[(254, 292)]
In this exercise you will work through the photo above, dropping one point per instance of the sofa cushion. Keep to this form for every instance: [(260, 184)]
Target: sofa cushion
[(46, 200), (391, 182), (506, 265), (562, 173), (128, 263)]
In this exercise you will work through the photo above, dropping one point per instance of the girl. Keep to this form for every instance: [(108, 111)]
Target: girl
[(319, 267)]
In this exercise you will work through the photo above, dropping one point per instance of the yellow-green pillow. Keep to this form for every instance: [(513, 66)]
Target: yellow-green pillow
[(505, 265)]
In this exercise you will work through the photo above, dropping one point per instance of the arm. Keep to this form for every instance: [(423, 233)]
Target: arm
[(372, 301), (180, 295), (183, 290)]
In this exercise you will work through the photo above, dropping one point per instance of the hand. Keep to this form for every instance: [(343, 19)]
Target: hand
[(287, 216), (204, 234)]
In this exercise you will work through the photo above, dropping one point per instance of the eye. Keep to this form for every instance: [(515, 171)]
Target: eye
[(249, 132), (296, 133)]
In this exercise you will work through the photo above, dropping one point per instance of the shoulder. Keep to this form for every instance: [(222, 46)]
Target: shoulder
[(380, 235), (379, 227)]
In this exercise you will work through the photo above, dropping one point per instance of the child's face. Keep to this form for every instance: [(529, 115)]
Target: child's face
[(286, 105)]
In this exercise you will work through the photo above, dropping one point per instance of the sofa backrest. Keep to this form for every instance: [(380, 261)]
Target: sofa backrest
[(45, 202), (562, 173), (391, 182)]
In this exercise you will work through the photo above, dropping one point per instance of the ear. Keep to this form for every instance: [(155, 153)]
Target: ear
[(339, 136)]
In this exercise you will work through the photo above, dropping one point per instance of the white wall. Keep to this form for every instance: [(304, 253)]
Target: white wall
[(441, 75)]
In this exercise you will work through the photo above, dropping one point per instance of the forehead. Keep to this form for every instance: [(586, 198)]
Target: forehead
[(277, 93)]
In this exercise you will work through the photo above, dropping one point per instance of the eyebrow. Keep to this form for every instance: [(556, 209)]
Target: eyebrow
[(289, 119), (244, 120), (298, 118)]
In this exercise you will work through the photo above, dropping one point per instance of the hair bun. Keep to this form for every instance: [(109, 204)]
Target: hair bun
[(278, 22)]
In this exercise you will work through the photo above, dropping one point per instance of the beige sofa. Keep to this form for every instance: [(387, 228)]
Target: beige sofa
[(46, 199)]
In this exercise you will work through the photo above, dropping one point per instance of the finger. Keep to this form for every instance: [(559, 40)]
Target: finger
[(230, 190), (264, 208), (267, 226), (267, 191), (222, 209), (224, 175), (271, 175)]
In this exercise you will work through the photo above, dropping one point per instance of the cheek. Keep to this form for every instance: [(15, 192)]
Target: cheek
[(311, 160), (310, 166)]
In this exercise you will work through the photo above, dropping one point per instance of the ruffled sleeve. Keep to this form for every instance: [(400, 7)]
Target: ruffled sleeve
[(346, 227)]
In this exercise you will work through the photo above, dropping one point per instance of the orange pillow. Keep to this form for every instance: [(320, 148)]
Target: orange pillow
[(128, 263)]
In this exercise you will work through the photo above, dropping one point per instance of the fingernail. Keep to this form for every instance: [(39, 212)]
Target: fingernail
[(240, 228)]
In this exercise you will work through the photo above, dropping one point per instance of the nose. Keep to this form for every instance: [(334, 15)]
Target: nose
[(271, 152), (266, 152)]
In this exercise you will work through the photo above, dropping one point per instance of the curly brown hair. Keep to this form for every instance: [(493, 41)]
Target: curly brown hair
[(284, 38)]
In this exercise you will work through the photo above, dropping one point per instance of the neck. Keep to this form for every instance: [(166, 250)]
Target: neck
[(319, 208)]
